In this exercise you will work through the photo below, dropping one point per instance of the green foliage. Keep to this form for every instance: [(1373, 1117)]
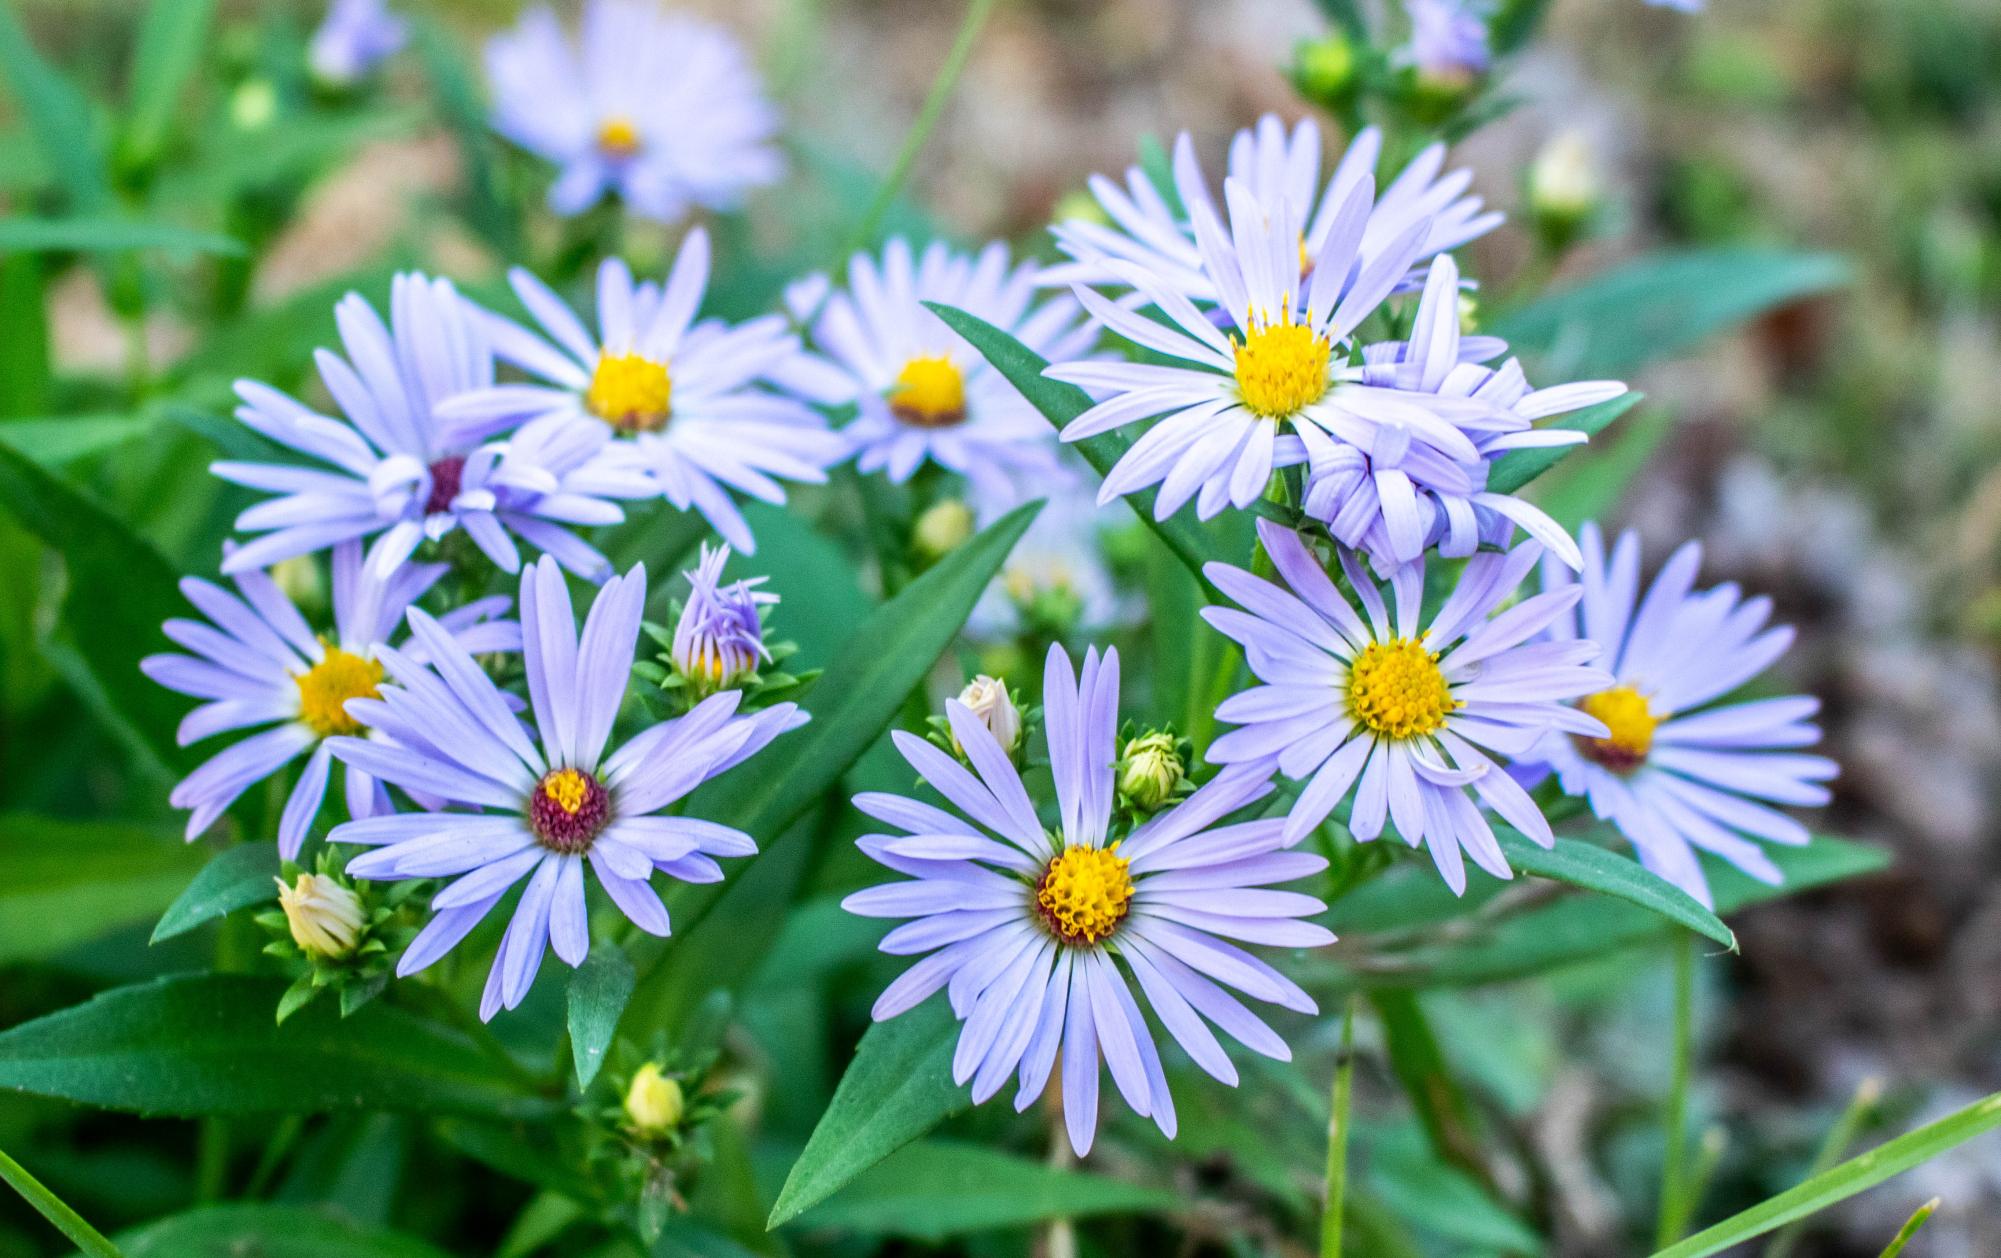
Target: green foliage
[(237, 878), (68, 882)]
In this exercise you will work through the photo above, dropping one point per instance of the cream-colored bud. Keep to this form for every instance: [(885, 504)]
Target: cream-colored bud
[(1150, 770), (299, 579), (943, 528), (990, 701), (324, 917), (653, 1102), (1564, 180)]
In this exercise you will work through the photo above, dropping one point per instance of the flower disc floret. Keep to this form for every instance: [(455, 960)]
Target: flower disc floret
[(1282, 368), (1084, 894), (568, 810), (1626, 713), (325, 688), (929, 393), (1396, 689), (618, 137), (631, 392)]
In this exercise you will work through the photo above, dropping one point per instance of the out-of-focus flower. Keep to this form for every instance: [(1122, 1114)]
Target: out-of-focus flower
[(942, 528), (661, 108), (1027, 930), (1405, 491), (1565, 188), (1055, 583), (543, 810), (323, 916), (921, 393), (355, 37), (1448, 43), (1404, 708), (257, 663), (720, 636), (679, 404), (1278, 389), (400, 468), (653, 1102), (1676, 771), (1420, 212), (987, 698)]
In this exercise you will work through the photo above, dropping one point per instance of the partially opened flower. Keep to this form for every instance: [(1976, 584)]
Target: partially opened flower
[(256, 662), (1408, 714), (1448, 42), (540, 812), (1036, 931), (1677, 771), (921, 392), (681, 403), (1274, 165), (720, 635), (397, 467), (1403, 494), (661, 108)]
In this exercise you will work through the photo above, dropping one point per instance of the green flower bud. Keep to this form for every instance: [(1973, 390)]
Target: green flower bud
[(1150, 771), (1324, 68)]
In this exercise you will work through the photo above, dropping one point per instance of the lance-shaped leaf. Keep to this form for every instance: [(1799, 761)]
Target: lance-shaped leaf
[(597, 995), (268, 1231), (1511, 471), (237, 878), (167, 57), (1588, 865)]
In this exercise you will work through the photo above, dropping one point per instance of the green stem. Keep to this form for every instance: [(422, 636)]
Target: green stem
[(1674, 1161), (1839, 1139), (1910, 1229), (927, 119), (1337, 1139), (56, 1211), (283, 1138)]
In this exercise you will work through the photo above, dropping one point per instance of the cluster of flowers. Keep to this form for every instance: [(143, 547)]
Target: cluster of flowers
[(1258, 385)]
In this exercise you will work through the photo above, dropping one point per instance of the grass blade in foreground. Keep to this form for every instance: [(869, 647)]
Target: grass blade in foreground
[(55, 1210), (1337, 1139), (1855, 1175)]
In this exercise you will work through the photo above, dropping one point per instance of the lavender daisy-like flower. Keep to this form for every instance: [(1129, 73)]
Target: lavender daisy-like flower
[(720, 635), (542, 811), (1448, 41), (1027, 925), (680, 404), (398, 467), (1406, 713), (1402, 493), (256, 662), (1677, 771), (1274, 165), (355, 37), (921, 393), (1279, 389), (661, 108)]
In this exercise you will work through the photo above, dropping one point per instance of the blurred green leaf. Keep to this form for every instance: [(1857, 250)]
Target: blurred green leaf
[(55, 1210), (1511, 471), (1589, 486), (169, 52), (457, 99), (1420, 1066), (24, 337), (1857, 1174), (237, 878), (243, 1229), (208, 1044), (72, 881), (597, 995), (55, 442), (1588, 865), (58, 115), (1439, 1198), (108, 235), (898, 1087), (1660, 305), (935, 1189)]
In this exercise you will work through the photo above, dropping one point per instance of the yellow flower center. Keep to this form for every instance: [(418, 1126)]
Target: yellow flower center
[(929, 393), (1085, 893), (325, 688), (1625, 712), (1395, 689), (566, 789), (631, 392), (1282, 368), (618, 137)]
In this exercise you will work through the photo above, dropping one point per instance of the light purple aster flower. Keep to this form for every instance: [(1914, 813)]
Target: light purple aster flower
[(662, 108), (398, 467), (720, 635), (1409, 711), (1279, 389), (920, 391), (1448, 40), (678, 404), (1678, 771), (355, 37), (1402, 493), (1026, 931), (542, 811), (257, 663), (1274, 166)]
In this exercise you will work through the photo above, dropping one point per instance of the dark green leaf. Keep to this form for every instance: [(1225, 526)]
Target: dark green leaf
[(167, 56), (24, 337), (207, 1044), (108, 235), (71, 881), (237, 878), (1588, 865), (1511, 471), (598, 992), (241, 1230), (898, 1087)]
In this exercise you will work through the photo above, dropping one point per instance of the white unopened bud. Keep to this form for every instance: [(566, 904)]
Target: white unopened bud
[(990, 701), (942, 529), (324, 917), (1564, 181), (653, 1102)]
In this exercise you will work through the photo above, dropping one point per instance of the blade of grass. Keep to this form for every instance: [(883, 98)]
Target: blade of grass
[(56, 1211), (1337, 1138), (1839, 1139), (1910, 1229), (1675, 1205)]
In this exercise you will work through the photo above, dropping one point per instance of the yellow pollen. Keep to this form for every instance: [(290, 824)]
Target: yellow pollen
[(1395, 689), (618, 137), (631, 392), (929, 393), (325, 688), (1625, 712), (1085, 893), (1305, 258), (1282, 368), (566, 789)]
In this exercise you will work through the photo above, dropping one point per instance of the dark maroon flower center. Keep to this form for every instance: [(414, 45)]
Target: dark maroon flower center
[(568, 810), (445, 476)]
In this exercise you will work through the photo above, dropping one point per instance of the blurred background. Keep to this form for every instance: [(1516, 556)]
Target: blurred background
[(1840, 454)]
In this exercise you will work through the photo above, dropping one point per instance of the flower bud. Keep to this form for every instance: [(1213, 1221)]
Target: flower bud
[(1565, 188), (1150, 771), (990, 701), (719, 639), (299, 579), (942, 529), (324, 917), (1324, 69), (653, 1102)]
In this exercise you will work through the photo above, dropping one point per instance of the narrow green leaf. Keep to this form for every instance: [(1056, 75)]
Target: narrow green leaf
[(24, 337), (1588, 865), (56, 1210), (207, 1044), (1333, 1211), (934, 1190), (1859, 1112), (1660, 305), (1921, 1216), (457, 98), (54, 443), (109, 235), (1511, 471), (240, 1229), (57, 113), (898, 1087), (1857, 1174), (237, 878), (1420, 1066), (597, 995), (168, 54), (1438, 1197), (71, 881), (1060, 403)]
